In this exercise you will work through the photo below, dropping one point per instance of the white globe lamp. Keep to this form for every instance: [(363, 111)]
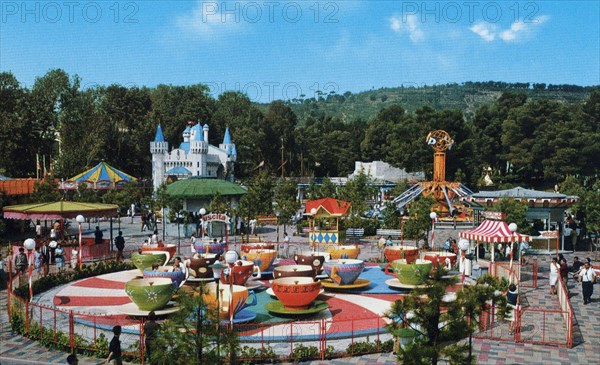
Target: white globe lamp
[(433, 215), (29, 244), (512, 227), (463, 244)]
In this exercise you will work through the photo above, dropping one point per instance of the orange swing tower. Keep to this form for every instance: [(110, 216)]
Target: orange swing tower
[(444, 192)]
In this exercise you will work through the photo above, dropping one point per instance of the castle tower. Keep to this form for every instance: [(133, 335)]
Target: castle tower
[(231, 151), (198, 150), (158, 148)]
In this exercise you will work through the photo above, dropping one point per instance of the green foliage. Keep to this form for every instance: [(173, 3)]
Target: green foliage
[(45, 191), (368, 347), (439, 324), (514, 212), (358, 191), (301, 352), (419, 222), (252, 355), (285, 197), (258, 199)]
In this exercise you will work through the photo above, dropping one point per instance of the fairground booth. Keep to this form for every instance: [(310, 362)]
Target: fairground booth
[(326, 214), (545, 209)]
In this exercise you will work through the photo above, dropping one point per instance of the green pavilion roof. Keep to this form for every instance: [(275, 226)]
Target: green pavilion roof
[(201, 188)]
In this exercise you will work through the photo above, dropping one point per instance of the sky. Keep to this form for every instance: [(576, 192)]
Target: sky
[(275, 49)]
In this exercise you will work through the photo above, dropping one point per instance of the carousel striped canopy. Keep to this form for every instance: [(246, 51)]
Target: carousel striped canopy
[(493, 231), (101, 176)]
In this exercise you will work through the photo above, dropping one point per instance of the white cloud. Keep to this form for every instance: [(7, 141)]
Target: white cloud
[(485, 31), (410, 24), (518, 30), (207, 21)]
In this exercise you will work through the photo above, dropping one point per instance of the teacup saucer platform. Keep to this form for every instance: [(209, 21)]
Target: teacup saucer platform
[(358, 284), (277, 307), (131, 309), (396, 284)]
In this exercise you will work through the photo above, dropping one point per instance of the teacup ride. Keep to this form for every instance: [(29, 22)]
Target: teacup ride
[(243, 270), (296, 296), (440, 257), (146, 260), (246, 247), (344, 274), (409, 253), (170, 248), (315, 260), (199, 266), (264, 259), (287, 271), (343, 251), (149, 294), (408, 275), (232, 299), (177, 277), (205, 246)]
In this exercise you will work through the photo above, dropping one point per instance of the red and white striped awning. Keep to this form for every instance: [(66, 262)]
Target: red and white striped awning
[(493, 231)]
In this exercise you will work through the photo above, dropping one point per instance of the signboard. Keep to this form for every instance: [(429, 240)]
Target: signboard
[(496, 216), (216, 217)]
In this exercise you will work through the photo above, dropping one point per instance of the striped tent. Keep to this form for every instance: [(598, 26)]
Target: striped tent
[(493, 231), (101, 176)]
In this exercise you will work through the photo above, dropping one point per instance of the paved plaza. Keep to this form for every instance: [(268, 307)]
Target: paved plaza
[(15, 349)]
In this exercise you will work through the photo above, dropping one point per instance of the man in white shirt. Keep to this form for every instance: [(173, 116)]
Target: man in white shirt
[(587, 277)]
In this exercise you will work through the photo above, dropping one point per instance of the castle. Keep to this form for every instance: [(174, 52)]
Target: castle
[(194, 157)]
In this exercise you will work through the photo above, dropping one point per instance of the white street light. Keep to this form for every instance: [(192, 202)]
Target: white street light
[(80, 219), (29, 245)]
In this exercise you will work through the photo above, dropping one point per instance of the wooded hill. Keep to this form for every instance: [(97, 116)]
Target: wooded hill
[(468, 97)]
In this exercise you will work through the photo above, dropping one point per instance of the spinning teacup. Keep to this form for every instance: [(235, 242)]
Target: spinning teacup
[(200, 264), (408, 253), (344, 271), (246, 247), (209, 247), (411, 274), (146, 260), (238, 296), (170, 248), (150, 294), (343, 251), (242, 271), (296, 293), (315, 261), (262, 258), (439, 257), (287, 271), (177, 277)]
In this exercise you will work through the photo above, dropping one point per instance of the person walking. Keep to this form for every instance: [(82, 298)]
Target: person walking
[(150, 330), (120, 244), (144, 222), (98, 235), (564, 272), (45, 251), (554, 270), (512, 299), (587, 278), (21, 261), (114, 348), (59, 257), (74, 258), (132, 211)]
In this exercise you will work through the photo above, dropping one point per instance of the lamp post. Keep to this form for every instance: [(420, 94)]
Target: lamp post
[(230, 258), (178, 217), (80, 219), (463, 244), (217, 268), (29, 245), (202, 213), (513, 228), (277, 222), (313, 212), (402, 214), (433, 216)]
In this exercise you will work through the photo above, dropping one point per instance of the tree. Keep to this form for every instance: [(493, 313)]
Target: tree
[(194, 335), (358, 191), (514, 212), (285, 197), (45, 191), (419, 222), (440, 323)]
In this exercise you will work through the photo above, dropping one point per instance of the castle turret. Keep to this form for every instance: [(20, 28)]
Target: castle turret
[(231, 152), (198, 150), (205, 129), (158, 148)]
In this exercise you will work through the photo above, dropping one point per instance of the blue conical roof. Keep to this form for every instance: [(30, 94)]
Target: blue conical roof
[(234, 151), (227, 137), (159, 135), (196, 133)]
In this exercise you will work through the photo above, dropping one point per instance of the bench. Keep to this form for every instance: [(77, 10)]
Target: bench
[(355, 232), (395, 233)]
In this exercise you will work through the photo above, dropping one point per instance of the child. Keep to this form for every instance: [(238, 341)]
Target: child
[(115, 347)]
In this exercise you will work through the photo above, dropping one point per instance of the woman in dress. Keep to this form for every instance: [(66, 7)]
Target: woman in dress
[(554, 269), (74, 258), (37, 255)]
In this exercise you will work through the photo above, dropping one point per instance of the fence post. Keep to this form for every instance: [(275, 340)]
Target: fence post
[(8, 300), (41, 322), (142, 346), (72, 331), (27, 316), (54, 336), (378, 340)]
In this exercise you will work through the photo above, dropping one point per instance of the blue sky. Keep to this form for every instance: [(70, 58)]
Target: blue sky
[(281, 49)]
